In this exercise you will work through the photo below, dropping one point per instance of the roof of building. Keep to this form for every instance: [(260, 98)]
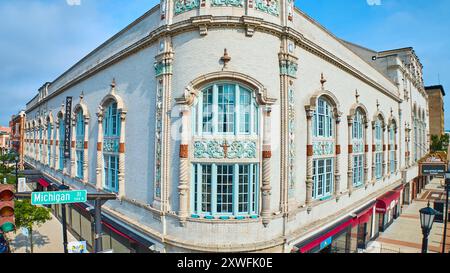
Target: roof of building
[(436, 87)]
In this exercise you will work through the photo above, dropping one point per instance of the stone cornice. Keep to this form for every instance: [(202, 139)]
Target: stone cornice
[(219, 22)]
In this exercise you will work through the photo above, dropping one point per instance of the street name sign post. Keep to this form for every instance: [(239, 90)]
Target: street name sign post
[(58, 197)]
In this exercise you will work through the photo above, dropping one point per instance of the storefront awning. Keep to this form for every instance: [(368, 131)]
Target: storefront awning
[(363, 215), (43, 183), (321, 237), (385, 201)]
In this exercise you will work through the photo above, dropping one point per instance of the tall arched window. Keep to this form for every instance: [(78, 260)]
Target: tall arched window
[(392, 148), (111, 138), (324, 154), (79, 144), (378, 149), (49, 139), (225, 166), (358, 149), (62, 132), (41, 141)]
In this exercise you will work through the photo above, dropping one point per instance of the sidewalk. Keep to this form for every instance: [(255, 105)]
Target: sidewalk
[(405, 234), (46, 239)]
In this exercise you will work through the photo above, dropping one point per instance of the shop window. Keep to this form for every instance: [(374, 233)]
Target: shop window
[(76, 222), (86, 230)]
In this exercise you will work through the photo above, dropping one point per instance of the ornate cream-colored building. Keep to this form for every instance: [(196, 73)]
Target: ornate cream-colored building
[(237, 126)]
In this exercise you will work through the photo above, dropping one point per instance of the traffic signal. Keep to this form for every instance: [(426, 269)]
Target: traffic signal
[(7, 208)]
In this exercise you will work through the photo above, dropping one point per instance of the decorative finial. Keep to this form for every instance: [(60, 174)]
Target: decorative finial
[(357, 96), (378, 105), (392, 112), (113, 85), (81, 95), (322, 80), (225, 58)]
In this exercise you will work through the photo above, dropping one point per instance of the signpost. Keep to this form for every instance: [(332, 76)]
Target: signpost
[(58, 197)]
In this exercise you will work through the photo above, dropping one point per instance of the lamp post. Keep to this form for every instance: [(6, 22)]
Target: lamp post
[(426, 221)]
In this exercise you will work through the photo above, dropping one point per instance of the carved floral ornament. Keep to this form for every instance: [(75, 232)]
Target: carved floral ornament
[(193, 89), (271, 7)]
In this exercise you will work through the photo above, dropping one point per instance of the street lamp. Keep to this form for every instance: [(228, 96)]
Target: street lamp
[(426, 221)]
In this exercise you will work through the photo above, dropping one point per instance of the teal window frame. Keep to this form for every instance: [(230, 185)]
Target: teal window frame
[(236, 196), (323, 119), (226, 109), (358, 158), (49, 138), (323, 178), (392, 151), (111, 131), (378, 152)]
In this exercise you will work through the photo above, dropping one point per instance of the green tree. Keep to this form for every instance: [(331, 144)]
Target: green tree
[(28, 216), (439, 143)]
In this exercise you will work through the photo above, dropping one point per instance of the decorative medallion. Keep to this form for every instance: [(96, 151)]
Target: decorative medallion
[(227, 3), (323, 148), (269, 6), (186, 5), (111, 145), (162, 67), (220, 149), (358, 146), (80, 144)]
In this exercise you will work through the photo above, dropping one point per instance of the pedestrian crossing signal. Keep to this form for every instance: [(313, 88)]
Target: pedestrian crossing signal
[(7, 208)]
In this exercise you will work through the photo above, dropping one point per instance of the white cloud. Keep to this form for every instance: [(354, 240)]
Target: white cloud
[(73, 2), (374, 2)]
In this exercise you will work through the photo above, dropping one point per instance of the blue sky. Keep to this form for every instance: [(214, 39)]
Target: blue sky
[(40, 39)]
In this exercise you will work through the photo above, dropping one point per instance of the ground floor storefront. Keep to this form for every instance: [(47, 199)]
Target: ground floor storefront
[(353, 233)]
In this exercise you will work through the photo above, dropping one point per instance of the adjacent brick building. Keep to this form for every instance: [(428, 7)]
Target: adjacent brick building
[(17, 125), (436, 96)]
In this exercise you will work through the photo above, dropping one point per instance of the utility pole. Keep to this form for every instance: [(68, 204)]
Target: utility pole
[(98, 226)]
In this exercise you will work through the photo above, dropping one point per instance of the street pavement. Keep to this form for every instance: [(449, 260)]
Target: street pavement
[(47, 238), (405, 234)]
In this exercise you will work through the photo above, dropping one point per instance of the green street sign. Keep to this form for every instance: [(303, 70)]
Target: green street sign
[(58, 197)]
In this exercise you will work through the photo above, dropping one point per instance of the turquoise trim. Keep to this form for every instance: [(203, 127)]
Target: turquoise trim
[(224, 217), (254, 216), (195, 216), (240, 217), (326, 198), (209, 217)]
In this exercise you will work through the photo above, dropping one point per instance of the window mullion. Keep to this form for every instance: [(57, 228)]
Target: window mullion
[(215, 106), (235, 189), (237, 109), (250, 189), (199, 207), (213, 189)]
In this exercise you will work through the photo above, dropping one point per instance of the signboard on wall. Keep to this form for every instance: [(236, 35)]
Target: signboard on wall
[(68, 128), (433, 169)]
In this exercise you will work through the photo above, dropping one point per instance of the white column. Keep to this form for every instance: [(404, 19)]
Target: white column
[(266, 168), (85, 153), (350, 156), (73, 151), (121, 176), (309, 159), (183, 188)]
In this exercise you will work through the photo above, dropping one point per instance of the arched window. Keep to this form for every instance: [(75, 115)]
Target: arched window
[(49, 138), (225, 173), (378, 149), (226, 109), (358, 149), (392, 146), (62, 132), (324, 154), (79, 144), (111, 138), (41, 141)]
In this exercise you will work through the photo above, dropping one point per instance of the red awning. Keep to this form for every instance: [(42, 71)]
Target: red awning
[(325, 236), (384, 202), (364, 216), (43, 183)]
